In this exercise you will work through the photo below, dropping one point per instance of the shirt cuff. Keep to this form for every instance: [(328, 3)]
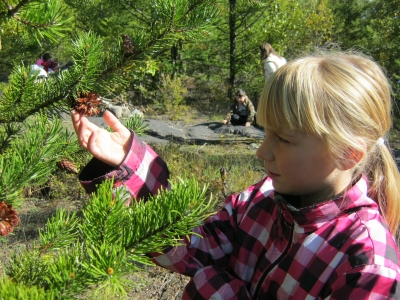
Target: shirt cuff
[(96, 171)]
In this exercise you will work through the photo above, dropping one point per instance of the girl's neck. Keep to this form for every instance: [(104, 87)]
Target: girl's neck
[(339, 190)]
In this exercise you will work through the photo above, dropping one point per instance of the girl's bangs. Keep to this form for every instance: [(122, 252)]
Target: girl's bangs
[(277, 107), (289, 101)]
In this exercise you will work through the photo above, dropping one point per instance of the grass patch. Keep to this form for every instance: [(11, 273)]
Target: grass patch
[(204, 163)]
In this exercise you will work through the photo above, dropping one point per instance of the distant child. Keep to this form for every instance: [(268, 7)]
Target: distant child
[(270, 60), (39, 62), (49, 65), (242, 110), (323, 224)]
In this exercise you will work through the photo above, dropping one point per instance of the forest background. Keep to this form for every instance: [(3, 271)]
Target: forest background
[(176, 58), (211, 57)]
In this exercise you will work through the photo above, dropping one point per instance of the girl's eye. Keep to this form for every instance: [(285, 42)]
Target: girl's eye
[(281, 139)]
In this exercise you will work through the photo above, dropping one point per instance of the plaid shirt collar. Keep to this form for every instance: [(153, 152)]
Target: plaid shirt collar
[(310, 218)]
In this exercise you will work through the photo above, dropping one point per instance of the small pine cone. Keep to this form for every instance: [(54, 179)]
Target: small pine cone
[(65, 164), (8, 218), (87, 104), (127, 47)]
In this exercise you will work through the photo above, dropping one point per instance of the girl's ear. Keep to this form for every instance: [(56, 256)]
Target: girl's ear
[(353, 156)]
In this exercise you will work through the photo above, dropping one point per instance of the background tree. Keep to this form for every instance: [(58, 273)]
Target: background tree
[(230, 57), (371, 27)]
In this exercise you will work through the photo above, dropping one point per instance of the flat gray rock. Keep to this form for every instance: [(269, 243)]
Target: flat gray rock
[(165, 130), (211, 132), (153, 140), (250, 132), (99, 121)]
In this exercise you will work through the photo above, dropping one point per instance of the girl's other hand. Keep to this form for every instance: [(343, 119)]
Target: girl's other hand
[(109, 147)]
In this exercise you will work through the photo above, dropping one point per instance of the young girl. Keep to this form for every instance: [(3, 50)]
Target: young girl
[(322, 224), (48, 64), (270, 60)]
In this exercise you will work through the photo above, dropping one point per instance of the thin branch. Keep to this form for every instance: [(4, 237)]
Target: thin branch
[(144, 18), (33, 25), (9, 7), (253, 22), (12, 11), (159, 37), (192, 7)]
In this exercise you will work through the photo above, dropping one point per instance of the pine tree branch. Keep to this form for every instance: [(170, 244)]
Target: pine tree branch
[(12, 12), (156, 39), (42, 144), (10, 131), (102, 247), (192, 7), (33, 96), (20, 116), (34, 25)]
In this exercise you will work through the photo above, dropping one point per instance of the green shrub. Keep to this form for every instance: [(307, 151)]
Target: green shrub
[(172, 96)]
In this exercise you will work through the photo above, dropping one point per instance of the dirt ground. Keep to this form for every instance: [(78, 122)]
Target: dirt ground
[(159, 284)]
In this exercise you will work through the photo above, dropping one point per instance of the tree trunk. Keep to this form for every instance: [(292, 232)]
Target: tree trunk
[(232, 46)]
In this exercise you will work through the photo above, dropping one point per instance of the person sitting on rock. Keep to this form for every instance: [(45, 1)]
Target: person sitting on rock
[(49, 65), (242, 111)]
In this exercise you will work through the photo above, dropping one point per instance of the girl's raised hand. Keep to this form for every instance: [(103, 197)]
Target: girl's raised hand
[(109, 147)]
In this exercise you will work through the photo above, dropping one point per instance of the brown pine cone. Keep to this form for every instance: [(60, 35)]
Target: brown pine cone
[(68, 166), (87, 104), (8, 218)]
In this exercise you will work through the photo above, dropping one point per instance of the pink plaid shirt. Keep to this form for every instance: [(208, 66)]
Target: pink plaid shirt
[(259, 246)]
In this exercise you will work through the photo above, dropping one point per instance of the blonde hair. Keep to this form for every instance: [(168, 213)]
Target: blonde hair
[(265, 51), (345, 99)]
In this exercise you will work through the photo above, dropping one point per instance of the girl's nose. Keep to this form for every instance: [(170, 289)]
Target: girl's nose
[(264, 152)]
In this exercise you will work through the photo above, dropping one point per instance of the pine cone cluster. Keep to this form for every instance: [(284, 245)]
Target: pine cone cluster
[(127, 47), (68, 166), (8, 218), (87, 104)]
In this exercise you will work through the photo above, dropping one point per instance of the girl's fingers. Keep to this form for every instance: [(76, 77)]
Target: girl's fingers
[(78, 121), (84, 132), (75, 120), (89, 125), (114, 123), (98, 141), (91, 144)]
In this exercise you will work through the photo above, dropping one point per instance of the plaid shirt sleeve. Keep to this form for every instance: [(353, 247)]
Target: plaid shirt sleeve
[(206, 258), (212, 282), (142, 172), (367, 282)]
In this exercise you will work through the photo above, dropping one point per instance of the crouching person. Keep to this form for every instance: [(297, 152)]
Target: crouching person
[(242, 110)]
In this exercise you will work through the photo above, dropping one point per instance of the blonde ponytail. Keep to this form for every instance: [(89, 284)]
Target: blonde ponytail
[(384, 185)]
